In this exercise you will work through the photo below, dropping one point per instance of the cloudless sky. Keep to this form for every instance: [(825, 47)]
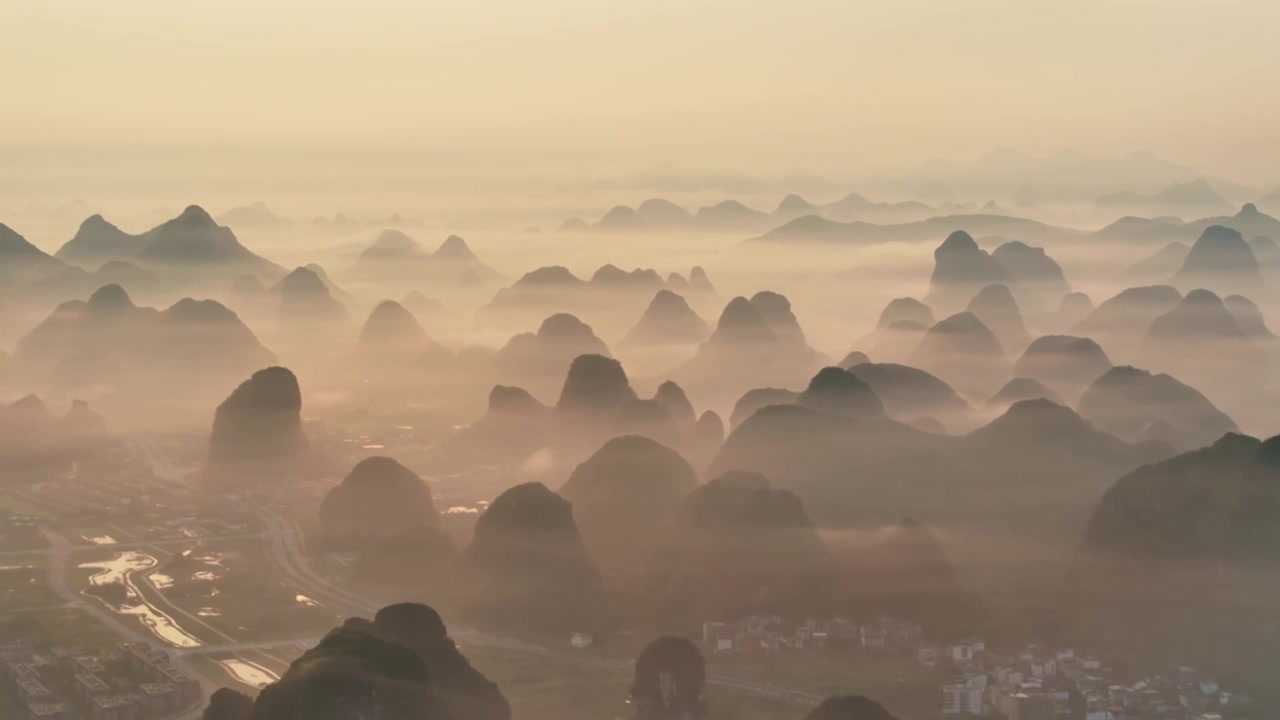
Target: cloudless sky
[(747, 83)]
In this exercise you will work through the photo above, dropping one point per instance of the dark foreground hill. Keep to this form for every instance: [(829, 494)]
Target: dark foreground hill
[(1193, 541)]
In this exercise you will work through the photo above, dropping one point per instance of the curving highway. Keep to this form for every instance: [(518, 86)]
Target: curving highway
[(59, 553)]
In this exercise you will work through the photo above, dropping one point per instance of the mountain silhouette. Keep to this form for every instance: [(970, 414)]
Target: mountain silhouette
[(894, 342), (855, 357), (391, 326), (1066, 362), (840, 392), (761, 339), (620, 218), (908, 573), (849, 707), (228, 704), (540, 359), (670, 681), (647, 417), (527, 570), (396, 257), (858, 472), (964, 353), (1220, 259), (351, 674), (739, 547), (708, 436), (1022, 388), (305, 298), (996, 307), (1126, 401), (402, 664), (699, 281), (1193, 196), (257, 432), (960, 270), (671, 396), (513, 428), (729, 215), (1199, 527), (793, 206), (814, 229), (22, 262), (776, 312), (1248, 317), (1119, 323), (661, 213), (622, 494), (1265, 251), (594, 392), (1162, 264), (1249, 221), (1148, 230), (109, 339), (1190, 341), (906, 309), (612, 277), (909, 392), (195, 240), (378, 499), (668, 321), (73, 281), (757, 398), (34, 442), (1035, 278), (1074, 308), (98, 241), (462, 690), (610, 291), (1216, 502), (257, 215), (573, 225)]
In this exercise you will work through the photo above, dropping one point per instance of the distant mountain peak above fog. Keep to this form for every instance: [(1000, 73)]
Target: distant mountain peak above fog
[(454, 248)]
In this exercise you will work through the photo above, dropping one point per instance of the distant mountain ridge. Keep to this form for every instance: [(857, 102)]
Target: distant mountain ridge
[(20, 260), (192, 240), (394, 255), (1249, 221), (109, 337), (812, 228), (1193, 196)]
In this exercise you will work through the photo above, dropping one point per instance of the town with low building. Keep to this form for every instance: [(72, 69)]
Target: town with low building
[(131, 681), (763, 633), (1032, 684), (1043, 684)]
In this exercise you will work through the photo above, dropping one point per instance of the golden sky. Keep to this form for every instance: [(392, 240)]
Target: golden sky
[(748, 83)]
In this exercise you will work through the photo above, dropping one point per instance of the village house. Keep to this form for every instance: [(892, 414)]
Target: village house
[(1038, 684), (132, 682), (771, 633)]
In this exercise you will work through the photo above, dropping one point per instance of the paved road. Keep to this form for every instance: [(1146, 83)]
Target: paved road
[(245, 646), (284, 540), (59, 554)]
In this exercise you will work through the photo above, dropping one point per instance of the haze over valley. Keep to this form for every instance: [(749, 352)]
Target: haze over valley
[(827, 362)]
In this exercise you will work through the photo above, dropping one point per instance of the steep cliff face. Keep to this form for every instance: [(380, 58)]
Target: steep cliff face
[(257, 431)]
